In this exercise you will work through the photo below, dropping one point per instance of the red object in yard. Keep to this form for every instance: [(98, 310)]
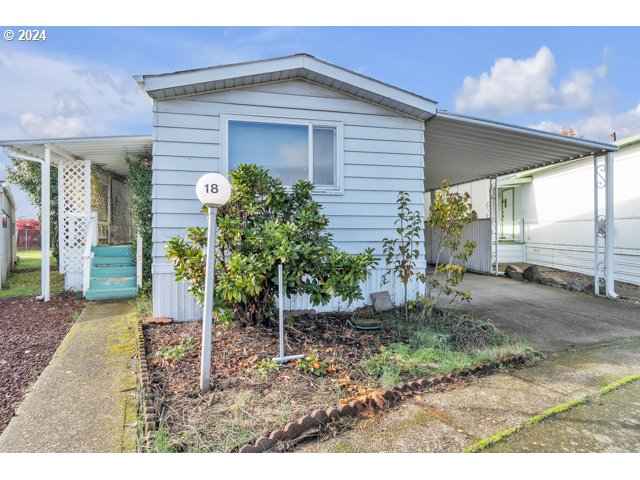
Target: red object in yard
[(28, 234)]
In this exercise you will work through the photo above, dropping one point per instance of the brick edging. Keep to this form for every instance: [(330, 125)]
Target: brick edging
[(320, 418), (145, 405)]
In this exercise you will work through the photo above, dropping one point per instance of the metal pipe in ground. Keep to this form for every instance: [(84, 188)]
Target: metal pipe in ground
[(282, 358)]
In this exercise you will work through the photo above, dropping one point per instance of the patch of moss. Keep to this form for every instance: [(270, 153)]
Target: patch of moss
[(498, 437), (421, 419), (343, 447), (130, 419)]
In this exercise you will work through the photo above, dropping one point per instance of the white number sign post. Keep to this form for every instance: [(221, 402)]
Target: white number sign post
[(213, 190)]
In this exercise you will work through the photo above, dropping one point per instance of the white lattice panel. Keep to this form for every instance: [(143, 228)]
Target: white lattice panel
[(101, 203), (74, 197)]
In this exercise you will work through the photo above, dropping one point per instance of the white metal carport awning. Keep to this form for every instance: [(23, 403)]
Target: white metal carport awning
[(106, 152), (464, 149)]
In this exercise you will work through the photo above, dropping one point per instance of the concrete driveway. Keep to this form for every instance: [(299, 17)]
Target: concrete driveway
[(548, 318)]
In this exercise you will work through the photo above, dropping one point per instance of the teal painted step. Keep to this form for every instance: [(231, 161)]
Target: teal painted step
[(113, 273), (107, 271), (113, 251), (113, 282), (113, 261), (110, 292)]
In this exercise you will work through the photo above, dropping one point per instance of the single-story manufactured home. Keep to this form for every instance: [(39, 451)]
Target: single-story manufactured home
[(7, 231), (359, 140)]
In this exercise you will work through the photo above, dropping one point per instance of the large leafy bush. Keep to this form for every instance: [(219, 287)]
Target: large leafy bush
[(261, 225)]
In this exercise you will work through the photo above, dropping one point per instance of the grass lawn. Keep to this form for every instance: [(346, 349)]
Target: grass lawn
[(25, 277)]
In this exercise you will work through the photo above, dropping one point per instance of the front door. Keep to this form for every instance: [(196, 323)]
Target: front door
[(507, 220)]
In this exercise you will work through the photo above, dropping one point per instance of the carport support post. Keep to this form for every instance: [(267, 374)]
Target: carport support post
[(609, 239), (46, 221), (596, 228), (493, 214)]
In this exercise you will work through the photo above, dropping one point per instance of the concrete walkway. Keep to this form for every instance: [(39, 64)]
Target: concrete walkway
[(84, 399), (550, 319), (453, 420), (610, 423)]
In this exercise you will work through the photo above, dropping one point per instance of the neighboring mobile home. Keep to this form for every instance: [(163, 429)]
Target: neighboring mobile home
[(546, 215), (7, 232), (360, 141)]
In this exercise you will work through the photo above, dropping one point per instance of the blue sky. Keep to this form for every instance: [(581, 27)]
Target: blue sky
[(78, 82)]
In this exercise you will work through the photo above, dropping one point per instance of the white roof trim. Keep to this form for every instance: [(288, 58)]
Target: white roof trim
[(304, 66)]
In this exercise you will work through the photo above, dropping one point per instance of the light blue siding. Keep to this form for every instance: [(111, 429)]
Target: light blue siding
[(383, 153)]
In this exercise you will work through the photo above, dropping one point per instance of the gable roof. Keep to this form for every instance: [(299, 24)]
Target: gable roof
[(299, 66)]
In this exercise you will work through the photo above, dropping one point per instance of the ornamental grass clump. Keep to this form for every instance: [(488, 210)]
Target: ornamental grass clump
[(262, 225)]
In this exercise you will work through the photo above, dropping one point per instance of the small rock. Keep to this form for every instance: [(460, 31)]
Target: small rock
[(512, 272), (531, 274), (576, 286), (552, 282)]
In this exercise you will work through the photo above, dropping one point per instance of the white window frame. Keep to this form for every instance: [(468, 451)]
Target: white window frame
[(338, 189)]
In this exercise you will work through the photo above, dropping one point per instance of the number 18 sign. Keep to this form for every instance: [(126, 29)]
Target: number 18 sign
[(213, 190)]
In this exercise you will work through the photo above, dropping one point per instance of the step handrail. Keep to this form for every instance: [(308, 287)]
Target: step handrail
[(87, 256), (139, 260)]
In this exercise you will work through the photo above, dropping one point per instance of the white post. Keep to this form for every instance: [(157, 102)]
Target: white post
[(596, 229), (609, 239), (281, 308), (139, 260), (214, 191), (207, 310), (46, 221)]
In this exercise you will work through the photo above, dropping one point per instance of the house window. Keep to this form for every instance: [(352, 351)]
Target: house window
[(290, 150)]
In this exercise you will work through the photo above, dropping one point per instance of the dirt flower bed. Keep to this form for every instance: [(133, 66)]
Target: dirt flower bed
[(30, 333), (252, 395)]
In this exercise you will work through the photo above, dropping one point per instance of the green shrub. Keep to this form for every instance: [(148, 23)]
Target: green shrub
[(262, 225)]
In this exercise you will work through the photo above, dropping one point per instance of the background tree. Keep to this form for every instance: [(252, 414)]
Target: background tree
[(27, 176), (261, 225)]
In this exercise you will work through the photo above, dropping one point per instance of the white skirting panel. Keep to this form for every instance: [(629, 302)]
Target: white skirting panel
[(511, 252), (575, 258), (171, 299), (73, 281)]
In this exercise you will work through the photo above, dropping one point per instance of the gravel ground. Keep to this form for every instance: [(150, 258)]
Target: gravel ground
[(30, 333)]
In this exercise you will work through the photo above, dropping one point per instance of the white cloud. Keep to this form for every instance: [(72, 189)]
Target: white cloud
[(51, 97), (599, 125), (525, 85), (69, 102), (38, 126)]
